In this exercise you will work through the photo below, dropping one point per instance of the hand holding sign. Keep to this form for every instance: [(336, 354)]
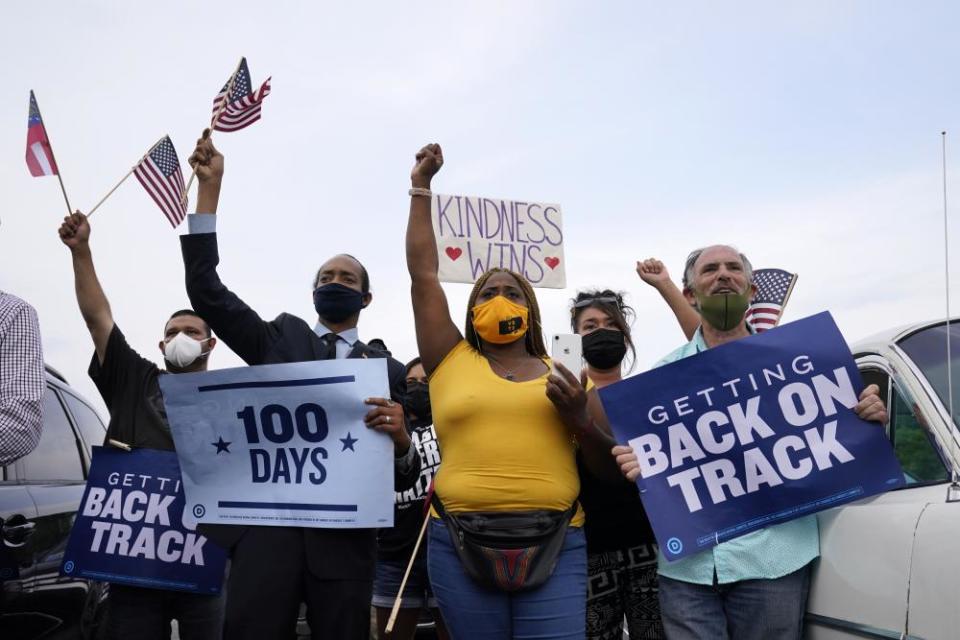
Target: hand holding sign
[(287, 444), (749, 434), (387, 417), (627, 461), (429, 161), (870, 406)]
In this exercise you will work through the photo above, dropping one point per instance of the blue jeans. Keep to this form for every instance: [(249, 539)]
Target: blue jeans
[(555, 610), (746, 610), (416, 594)]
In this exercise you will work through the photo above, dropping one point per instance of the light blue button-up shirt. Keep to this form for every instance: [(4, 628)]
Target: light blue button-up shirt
[(769, 553), (345, 344)]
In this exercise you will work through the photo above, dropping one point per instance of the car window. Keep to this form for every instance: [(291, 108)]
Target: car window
[(57, 456), (918, 457), (92, 429), (928, 349)]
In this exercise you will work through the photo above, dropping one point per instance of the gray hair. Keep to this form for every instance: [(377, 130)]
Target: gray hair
[(695, 255)]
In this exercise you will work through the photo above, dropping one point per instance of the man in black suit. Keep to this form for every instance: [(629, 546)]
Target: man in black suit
[(273, 569)]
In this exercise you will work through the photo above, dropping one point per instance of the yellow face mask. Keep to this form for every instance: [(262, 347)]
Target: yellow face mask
[(500, 321)]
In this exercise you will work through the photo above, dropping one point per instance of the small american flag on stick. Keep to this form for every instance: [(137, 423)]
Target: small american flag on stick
[(773, 290), (236, 106), (159, 173)]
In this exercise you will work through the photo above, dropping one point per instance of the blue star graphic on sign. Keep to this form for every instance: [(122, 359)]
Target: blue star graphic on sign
[(348, 442), (221, 445)]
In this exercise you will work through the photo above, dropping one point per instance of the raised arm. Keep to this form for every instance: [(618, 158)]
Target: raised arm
[(94, 306), (437, 335), (236, 324), (655, 274)]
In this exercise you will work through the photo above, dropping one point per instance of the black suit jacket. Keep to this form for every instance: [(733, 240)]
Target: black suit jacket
[(331, 553)]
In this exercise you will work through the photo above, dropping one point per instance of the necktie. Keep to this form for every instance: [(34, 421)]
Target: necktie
[(330, 340)]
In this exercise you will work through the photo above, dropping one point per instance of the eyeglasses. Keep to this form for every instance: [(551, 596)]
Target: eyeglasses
[(586, 302)]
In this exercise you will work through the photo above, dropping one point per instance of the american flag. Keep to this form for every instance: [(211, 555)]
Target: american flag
[(242, 107), (159, 173), (773, 289)]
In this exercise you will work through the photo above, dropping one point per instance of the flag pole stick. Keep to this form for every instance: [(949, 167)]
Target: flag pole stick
[(403, 583), (59, 179), (54, 156), (110, 193), (213, 126), (123, 179)]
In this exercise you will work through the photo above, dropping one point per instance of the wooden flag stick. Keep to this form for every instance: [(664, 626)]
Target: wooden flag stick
[(54, 156), (62, 189), (403, 584), (213, 125), (124, 178)]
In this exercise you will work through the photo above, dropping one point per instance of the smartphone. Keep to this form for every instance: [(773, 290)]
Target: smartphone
[(568, 351)]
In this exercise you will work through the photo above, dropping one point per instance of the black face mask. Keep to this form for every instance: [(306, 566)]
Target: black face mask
[(418, 400), (336, 302), (604, 348)]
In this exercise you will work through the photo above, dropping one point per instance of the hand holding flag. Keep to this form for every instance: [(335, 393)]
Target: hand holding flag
[(207, 164)]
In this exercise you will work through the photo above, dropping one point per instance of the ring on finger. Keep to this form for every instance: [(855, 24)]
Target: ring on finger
[(388, 419)]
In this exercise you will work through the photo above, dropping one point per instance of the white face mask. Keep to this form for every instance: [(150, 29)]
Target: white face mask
[(181, 350)]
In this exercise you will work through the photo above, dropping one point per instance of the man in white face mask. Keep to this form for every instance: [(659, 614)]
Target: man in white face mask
[(128, 384)]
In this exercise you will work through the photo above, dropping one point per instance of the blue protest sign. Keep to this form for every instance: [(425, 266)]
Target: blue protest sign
[(749, 434), (283, 444), (130, 530)]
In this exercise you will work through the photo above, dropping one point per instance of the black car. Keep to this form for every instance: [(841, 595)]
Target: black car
[(39, 496)]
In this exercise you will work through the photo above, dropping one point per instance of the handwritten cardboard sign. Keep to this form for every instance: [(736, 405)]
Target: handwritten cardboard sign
[(475, 234)]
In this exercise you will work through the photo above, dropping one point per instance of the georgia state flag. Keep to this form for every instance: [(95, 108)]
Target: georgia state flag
[(39, 155)]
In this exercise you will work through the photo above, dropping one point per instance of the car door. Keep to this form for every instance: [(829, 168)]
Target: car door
[(53, 476), (860, 583), (17, 514)]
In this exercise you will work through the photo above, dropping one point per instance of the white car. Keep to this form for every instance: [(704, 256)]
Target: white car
[(889, 565)]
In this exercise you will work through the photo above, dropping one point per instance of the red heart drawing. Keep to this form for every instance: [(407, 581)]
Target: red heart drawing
[(453, 252), (551, 262)]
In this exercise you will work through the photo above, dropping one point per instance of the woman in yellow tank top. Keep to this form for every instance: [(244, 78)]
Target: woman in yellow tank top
[(508, 429)]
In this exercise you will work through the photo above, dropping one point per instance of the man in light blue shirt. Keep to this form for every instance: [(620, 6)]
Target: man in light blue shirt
[(753, 587)]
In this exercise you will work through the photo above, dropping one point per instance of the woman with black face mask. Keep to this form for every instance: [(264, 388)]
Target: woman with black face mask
[(621, 548), (394, 545)]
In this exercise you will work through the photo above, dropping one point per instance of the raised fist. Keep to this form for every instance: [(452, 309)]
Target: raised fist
[(206, 161), (653, 272), (429, 161), (75, 230)]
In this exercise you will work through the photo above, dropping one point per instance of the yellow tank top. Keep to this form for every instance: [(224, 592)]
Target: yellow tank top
[(503, 443)]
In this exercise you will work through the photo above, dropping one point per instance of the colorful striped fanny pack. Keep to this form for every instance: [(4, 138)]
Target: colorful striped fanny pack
[(507, 550)]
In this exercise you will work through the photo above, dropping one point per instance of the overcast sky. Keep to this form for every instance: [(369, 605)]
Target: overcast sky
[(808, 135)]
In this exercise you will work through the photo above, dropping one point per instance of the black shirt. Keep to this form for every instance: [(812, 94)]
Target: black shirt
[(397, 542), (128, 384), (615, 518)]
